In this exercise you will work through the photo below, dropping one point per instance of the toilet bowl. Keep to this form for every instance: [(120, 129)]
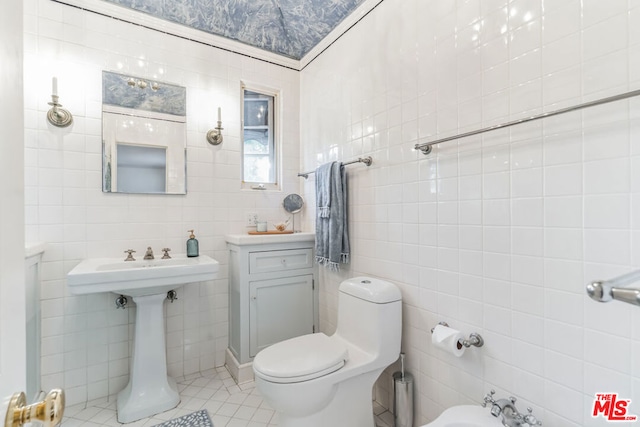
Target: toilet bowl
[(317, 380)]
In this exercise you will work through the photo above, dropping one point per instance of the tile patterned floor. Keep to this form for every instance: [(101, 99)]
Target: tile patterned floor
[(228, 404)]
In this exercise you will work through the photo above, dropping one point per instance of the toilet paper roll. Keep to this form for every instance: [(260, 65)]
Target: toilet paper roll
[(448, 339)]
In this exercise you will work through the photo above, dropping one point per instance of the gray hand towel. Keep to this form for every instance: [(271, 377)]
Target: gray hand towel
[(332, 236), (323, 189)]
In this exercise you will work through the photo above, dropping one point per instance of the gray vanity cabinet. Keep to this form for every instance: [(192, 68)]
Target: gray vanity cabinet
[(272, 292)]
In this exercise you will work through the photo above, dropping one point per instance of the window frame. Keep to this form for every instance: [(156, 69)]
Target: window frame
[(274, 127)]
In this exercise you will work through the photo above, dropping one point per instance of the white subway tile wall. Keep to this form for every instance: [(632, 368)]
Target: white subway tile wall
[(86, 341), (497, 233)]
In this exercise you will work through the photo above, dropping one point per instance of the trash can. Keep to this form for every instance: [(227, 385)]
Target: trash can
[(402, 397)]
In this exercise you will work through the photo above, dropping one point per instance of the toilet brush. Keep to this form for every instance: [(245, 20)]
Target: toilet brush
[(402, 396)]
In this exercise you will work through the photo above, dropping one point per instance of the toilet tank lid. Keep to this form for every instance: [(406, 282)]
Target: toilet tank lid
[(371, 289)]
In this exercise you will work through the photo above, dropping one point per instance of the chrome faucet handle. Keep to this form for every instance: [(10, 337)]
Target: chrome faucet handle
[(129, 257), (149, 253), (166, 253), (488, 398), (530, 419)]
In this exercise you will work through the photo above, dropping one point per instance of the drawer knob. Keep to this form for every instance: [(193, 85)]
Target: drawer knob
[(284, 261)]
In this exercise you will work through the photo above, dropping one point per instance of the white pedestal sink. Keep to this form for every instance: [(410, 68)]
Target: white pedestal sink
[(150, 390)]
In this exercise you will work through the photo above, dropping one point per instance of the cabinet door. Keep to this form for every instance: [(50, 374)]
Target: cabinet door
[(280, 309)]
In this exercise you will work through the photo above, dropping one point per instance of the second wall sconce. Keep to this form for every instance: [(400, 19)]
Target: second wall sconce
[(214, 136), (57, 115)]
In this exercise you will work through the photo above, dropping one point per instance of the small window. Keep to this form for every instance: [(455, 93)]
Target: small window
[(259, 139)]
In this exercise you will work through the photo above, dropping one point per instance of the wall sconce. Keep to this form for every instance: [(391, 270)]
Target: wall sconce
[(214, 136), (57, 115)]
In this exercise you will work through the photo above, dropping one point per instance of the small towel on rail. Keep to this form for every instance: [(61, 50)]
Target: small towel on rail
[(332, 235)]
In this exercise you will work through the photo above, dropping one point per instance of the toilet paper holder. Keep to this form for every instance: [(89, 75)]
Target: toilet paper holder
[(474, 338)]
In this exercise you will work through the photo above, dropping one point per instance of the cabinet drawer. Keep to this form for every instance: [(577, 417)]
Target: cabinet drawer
[(269, 261)]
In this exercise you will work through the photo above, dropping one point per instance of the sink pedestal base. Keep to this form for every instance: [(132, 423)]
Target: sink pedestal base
[(150, 391)]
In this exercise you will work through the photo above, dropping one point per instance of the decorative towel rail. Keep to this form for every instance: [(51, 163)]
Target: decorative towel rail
[(366, 160), (425, 147), (607, 290)]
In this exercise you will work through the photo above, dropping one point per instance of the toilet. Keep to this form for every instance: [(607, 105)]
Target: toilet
[(317, 380)]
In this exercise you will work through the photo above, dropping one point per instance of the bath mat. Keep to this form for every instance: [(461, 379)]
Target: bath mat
[(195, 419)]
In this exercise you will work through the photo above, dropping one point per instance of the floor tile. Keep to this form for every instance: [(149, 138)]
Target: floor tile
[(228, 404)]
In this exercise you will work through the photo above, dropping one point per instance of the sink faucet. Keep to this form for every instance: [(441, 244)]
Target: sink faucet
[(149, 253), (506, 408)]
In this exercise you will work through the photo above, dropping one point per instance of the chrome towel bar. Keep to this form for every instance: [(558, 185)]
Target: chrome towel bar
[(366, 160), (615, 289), (426, 146)]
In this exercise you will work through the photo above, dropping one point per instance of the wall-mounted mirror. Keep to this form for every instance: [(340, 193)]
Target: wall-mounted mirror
[(144, 136)]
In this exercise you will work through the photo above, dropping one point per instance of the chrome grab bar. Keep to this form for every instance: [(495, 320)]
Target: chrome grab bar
[(426, 147), (615, 289)]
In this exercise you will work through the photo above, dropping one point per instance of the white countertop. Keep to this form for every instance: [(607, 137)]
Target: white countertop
[(249, 239), (33, 249)]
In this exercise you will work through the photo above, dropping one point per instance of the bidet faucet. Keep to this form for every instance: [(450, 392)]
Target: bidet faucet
[(149, 253), (506, 408)]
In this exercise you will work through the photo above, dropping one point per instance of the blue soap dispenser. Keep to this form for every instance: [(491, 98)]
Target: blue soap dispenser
[(192, 245)]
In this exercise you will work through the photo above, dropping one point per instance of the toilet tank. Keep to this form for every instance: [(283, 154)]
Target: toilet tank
[(370, 289), (370, 316)]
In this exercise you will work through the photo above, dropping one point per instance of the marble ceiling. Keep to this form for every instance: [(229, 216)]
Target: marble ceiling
[(286, 27)]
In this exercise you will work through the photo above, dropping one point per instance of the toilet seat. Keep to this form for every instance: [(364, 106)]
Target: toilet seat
[(300, 359)]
